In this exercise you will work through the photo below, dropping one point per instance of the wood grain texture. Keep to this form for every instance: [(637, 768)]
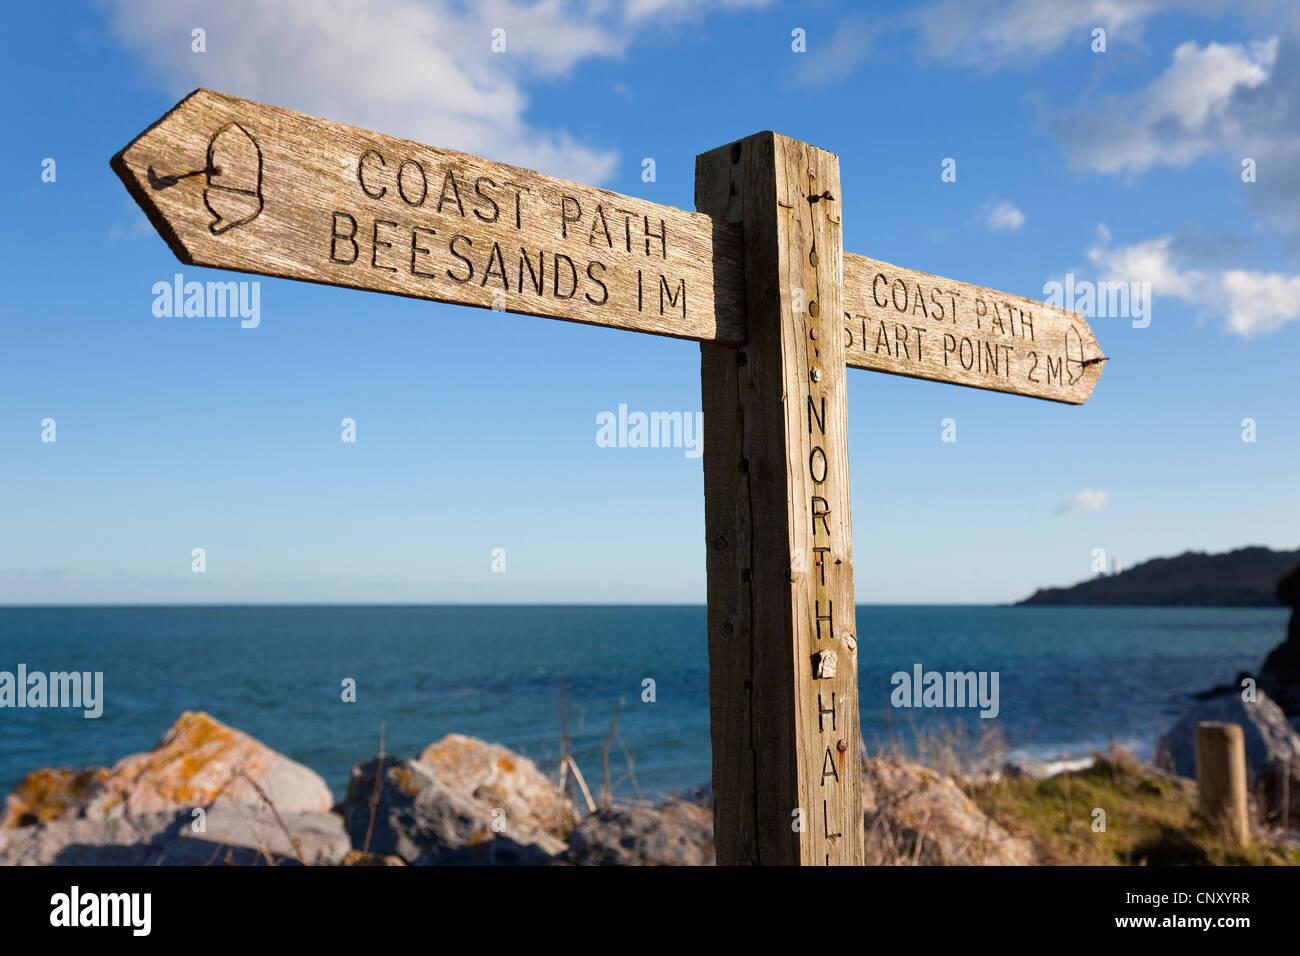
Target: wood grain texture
[(778, 527), (911, 323), (240, 185)]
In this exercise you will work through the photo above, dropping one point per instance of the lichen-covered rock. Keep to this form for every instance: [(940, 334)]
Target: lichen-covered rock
[(51, 793), (914, 814), (414, 816), (193, 765), (500, 778), (677, 833), (1268, 736)]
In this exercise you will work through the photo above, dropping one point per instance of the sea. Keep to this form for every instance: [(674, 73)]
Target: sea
[(1070, 680)]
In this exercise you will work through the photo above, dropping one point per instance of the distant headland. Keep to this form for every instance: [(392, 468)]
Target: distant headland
[(1246, 577)]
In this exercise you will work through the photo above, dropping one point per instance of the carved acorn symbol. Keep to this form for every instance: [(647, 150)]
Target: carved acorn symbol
[(234, 168)]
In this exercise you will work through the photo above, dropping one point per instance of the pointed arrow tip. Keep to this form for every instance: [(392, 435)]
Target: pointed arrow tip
[(140, 178)]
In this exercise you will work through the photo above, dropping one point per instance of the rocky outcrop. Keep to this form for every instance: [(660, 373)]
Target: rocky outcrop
[(1268, 736), (198, 761), (462, 802), (1280, 674), (677, 833), (400, 807), (193, 799), (915, 815), (500, 778)]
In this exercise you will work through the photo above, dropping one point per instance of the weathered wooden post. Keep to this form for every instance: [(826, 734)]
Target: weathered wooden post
[(1221, 777), (783, 676)]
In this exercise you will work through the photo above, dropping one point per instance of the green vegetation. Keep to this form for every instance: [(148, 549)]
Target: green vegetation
[(1150, 819)]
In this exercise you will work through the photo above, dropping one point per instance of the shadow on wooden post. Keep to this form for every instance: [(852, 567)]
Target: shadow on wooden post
[(1221, 777)]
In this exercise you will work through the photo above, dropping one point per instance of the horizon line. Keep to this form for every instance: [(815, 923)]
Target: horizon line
[(458, 604)]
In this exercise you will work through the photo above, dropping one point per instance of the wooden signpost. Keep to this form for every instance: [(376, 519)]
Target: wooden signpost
[(757, 276)]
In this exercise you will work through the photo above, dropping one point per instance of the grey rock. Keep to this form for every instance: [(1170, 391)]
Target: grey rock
[(677, 833), (426, 823), (1268, 735), (321, 838), (120, 841), (234, 834)]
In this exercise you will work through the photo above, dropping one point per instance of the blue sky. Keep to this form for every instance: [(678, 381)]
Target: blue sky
[(476, 430)]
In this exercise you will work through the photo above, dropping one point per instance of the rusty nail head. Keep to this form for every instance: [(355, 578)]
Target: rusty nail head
[(842, 746)]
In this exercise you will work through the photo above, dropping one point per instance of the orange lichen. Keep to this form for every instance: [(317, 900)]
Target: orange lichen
[(51, 794), (405, 781)]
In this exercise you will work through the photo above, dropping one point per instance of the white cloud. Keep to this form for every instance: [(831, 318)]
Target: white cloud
[(996, 34), (1003, 215), (1149, 261), (1260, 301), (1086, 500), (992, 33), (1227, 102), (1183, 114), (1231, 101), (642, 9), (418, 70), (1251, 301)]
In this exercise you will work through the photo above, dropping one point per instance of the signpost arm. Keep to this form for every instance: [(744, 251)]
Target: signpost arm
[(782, 634)]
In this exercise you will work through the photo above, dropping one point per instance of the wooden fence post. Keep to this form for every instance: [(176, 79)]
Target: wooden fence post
[(782, 635), (1221, 776)]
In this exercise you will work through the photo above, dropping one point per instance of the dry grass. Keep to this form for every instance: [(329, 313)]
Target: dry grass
[(951, 750), (1150, 815)]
